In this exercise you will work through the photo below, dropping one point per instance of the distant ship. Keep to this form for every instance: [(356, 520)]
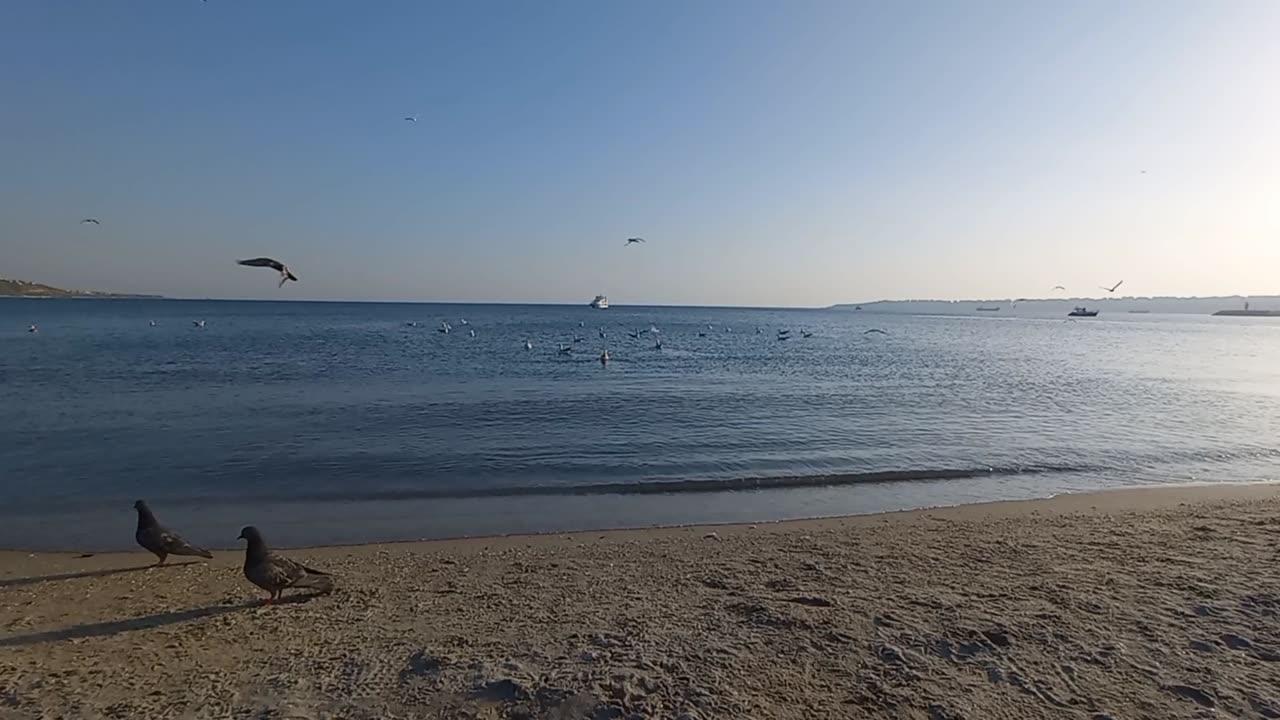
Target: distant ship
[(988, 308), (1082, 312), (600, 303)]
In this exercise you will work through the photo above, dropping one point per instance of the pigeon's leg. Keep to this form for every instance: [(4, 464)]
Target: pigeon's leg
[(163, 557)]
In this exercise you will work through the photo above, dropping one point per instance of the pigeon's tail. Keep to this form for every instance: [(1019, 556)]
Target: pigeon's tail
[(192, 550), (316, 581)]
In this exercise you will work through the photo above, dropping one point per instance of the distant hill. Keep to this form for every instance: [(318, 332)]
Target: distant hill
[(1057, 306), (24, 288)]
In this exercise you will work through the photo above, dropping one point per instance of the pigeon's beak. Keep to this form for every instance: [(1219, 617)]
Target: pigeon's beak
[(242, 536)]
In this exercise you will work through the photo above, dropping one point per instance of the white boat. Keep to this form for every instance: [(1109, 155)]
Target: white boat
[(600, 303)]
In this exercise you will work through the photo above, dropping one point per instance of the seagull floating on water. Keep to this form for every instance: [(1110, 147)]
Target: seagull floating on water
[(528, 344), (564, 349), (152, 323), (33, 328), (272, 263), (93, 221), (634, 241), (806, 333), (1112, 288), (463, 321), (198, 323), (604, 357), (472, 331)]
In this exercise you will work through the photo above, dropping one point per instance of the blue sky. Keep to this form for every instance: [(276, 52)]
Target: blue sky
[(772, 153)]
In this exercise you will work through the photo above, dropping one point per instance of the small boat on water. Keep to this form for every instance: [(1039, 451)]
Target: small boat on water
[(600, 303), (1082, 312)]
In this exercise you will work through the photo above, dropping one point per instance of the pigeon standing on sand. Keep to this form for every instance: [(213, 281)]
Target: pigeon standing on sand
[(274, 573), (160, 540)]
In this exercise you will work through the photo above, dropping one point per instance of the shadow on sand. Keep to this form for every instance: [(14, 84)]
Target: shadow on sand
[(146, 622), (17, 582)]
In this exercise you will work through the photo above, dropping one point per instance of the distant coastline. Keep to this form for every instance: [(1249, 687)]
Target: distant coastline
[(28, 289), (1226, 305)]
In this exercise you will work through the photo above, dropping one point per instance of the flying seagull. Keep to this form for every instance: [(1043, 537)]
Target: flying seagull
[(275, 573), (874, 330), (90, 220), (634, 241), (1112, 288), (1058, 287), (160, 540), (411, 118), (274, 265)]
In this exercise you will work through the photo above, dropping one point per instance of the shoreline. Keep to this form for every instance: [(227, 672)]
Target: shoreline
[(1145, 602), (1126, 499)]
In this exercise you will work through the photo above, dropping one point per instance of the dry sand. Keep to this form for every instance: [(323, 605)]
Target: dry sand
[(1133, 604)]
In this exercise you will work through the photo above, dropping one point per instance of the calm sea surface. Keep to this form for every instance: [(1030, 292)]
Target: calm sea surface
[(339, 422)]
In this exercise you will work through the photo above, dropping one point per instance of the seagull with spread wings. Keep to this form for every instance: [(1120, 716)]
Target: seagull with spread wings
[(276, 265)]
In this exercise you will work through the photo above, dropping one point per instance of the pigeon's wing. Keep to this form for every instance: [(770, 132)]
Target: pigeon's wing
[(159, 539), (298, 575)]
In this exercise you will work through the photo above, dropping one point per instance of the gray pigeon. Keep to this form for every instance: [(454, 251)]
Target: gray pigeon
[(161, 540), (274, 573)]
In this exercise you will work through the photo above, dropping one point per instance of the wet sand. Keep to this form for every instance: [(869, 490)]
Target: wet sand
[(1160, 603)]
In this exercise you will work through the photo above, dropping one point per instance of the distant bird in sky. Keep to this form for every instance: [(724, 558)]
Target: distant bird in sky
[(411, 118), (634, 241), (1058, 287), (1112, 288), (276, 265), (90, 220), (874, 330), (160, 540), (276, 573)]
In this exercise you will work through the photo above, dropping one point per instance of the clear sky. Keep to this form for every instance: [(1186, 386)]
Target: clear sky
[(772, 153)]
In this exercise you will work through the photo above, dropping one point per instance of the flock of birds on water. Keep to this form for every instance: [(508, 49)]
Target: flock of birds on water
[(286, 275), (270, 571)]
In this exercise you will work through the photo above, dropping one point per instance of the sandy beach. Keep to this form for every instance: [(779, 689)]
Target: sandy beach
[(1159, 603)]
